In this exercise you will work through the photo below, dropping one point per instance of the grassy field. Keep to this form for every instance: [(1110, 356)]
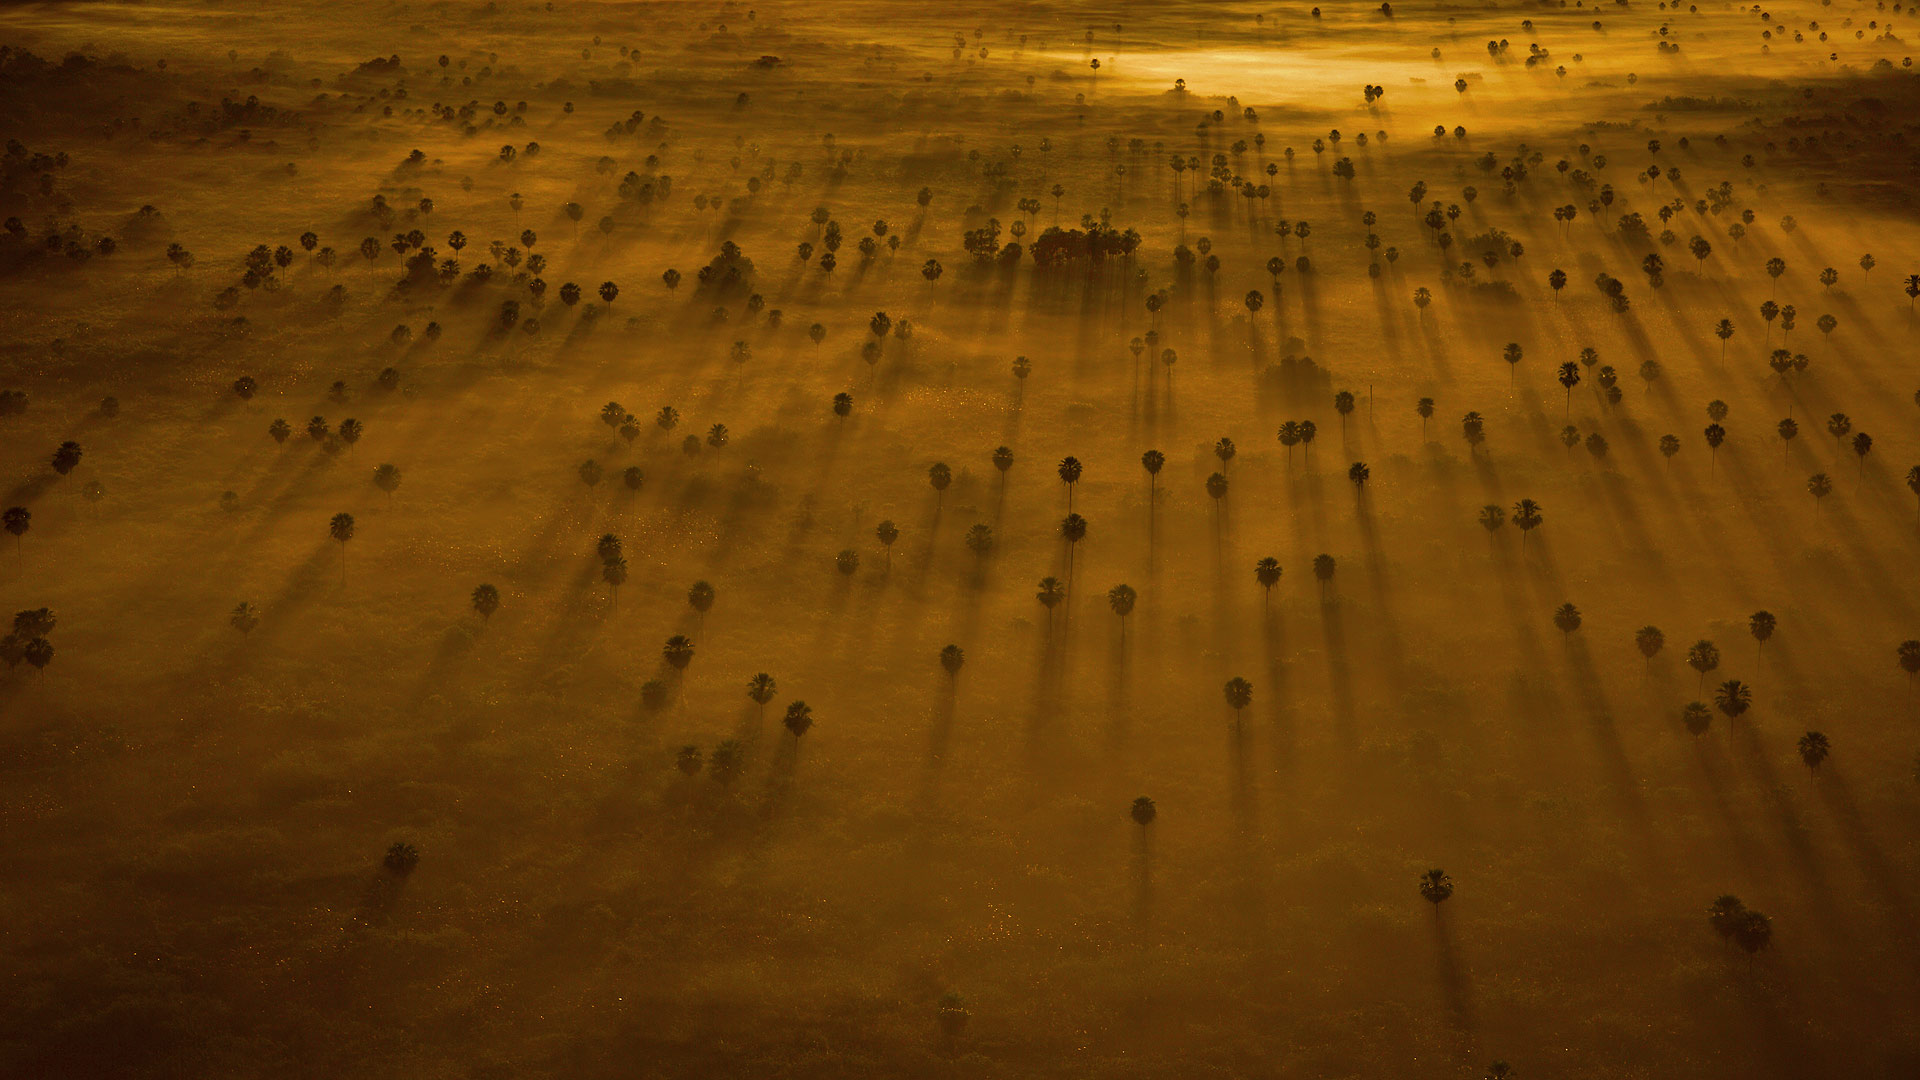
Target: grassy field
[(941, 876)]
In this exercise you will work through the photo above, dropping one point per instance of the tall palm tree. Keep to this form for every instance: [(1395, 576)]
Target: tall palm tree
[(1050, 595), (1703, 656), (486, 600), (1359, 474), (1073, 528), (1512, 354), (1267, 573), (1569, 378), (1424, 407), (939, 476), (1733, 698), (1003, 460), (678, 652), (1290, 438), (1239, 695), (1814, 749), (1308, 429), (1649, 640), (1323, 569), (1152, 461), (1820, 485), (761, 689), (1435, 888), (1526, 517), (1760, 624), (1121, 598), (799, 718), (951, 658), (1343, 404), (341, 529), (1070, 475), (1567, 618), (1142, 811), (1492, 517), (1217, 488), (886, 532), (614, 571)]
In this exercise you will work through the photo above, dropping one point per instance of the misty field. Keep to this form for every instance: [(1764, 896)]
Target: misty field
[(721, 540)]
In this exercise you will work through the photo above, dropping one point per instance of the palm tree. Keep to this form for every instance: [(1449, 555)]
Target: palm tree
[(1290, 438), (1323, 569), (1760, 624), (1492, 517), (1723, 330), (678, 652), (847, 562), (887, 533), (700, 598), (1143, 811), (1307, 431), (1697, 718), (799, 718), (1511, 354), (1567, 618), (1358, 473), (1050, 594), (18, 520), (939, 476), (1121, 598), (1239, 695), (1526, 517), (688, 760), (1650, 641), (1820, 485), (486, 600), (761, 689), (341, 529), (1070, 475), (1343, 404), (1909, 655), (1267, 573), (387, 479), (1814, 748), (980, 539), (1425, 408), (1217, 488), (1703, 656), (1003, 460), (1473, 428), (1862, 444), (1913, 480), (1074, 528), (1224, 450), (1022, 367), (951, 658), (1569, 378), (1152, 461), (614, 572), (1435, 888), (1733, 698)]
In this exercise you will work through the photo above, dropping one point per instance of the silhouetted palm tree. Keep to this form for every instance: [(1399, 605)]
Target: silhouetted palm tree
[(1050, 595), (1323, 569), (678, 652), (1359, 473), (761, 689), (1512, 354), (1074, 528), (1703, 656), (1820, 486), (1239, 695), (847, 562), (1069, 475), (1121, 599), (341, 529), (486, 600), (939, 476), (1435, 888), (1492, 517), (1526, 517), (1142, 811), (1760, 624), (1267, 573), (1697, 718), (1733, 698), (1650, 641), (1569, 378), (798, 719), (951, 658), (1814, 749), (1343, 404), (886, 532), (1003, 460), (1567, 618), (614, 572), (1424, 407)]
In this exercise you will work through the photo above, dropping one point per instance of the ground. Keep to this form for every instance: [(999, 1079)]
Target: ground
[(198, 816)]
